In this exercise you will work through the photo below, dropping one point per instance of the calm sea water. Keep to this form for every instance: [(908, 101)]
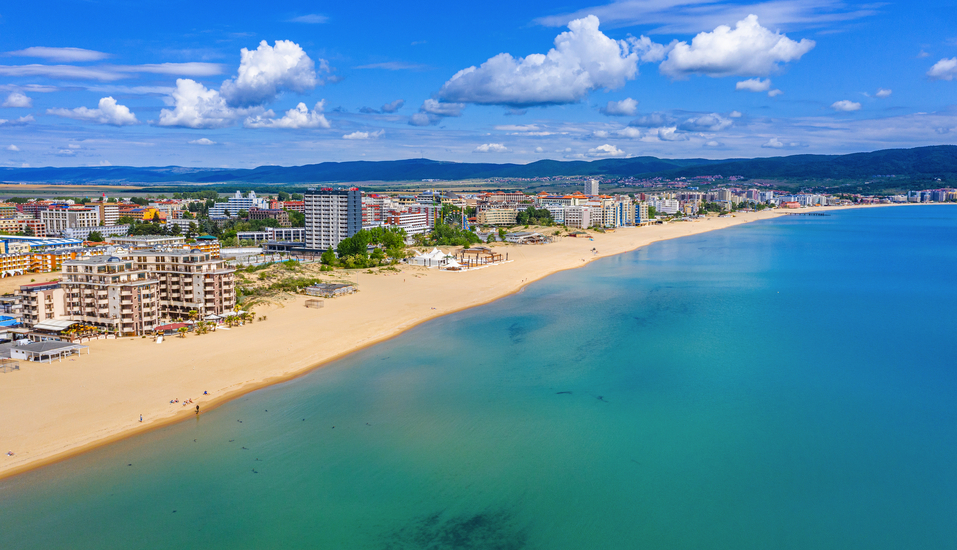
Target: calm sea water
[(786, 384)]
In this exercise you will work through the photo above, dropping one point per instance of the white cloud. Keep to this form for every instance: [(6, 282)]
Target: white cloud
[(73, 145), (648, 51), (197, 107), (706, 123), (735, 114), (365, 135), (65, 72), (629, 132), (653, 120), (713, 143), (882, 93), (625, 107), (539, 150), (601, 134), (690, 16), (297, 117), (422, 119), (312, 19), (202, 141), (671, 134), (193, 68), (529, 129), (105, 163), (754, 85), (432, 112), (582, 60), (393, 106), (439, 108), (18, 99), (606, 151), (13, 148), (773, 143), (747, 50), (846, 105), (491, 148), (268, 70), (775, 93), (67, 55), (945, 69), (107, 112)]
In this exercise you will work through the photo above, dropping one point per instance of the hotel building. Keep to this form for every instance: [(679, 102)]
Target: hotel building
[(331, 216), (111, 292)]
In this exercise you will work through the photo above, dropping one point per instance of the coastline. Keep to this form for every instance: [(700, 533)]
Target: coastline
[(53, 412)]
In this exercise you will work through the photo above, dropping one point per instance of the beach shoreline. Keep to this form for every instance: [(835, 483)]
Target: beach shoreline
[(59, 410)]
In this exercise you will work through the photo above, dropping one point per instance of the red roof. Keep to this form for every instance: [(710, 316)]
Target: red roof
[(171, 326)]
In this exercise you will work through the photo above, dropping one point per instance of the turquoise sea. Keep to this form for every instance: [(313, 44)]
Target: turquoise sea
[(784, 384)]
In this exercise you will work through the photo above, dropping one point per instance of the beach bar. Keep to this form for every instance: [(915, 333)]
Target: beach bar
[(46, 352), (330, 290)]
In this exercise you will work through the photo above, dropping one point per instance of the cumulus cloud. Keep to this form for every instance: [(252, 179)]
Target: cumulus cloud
[(606, 151), (648, 51), (365, 135), (298, 117), (846, 105), (774, 93), (671, 134), (18, 99), (629, 132), (583, 59), (747, 50), (268, 70), (196, 106), (108, 111), (13, 148), (393, 106), (706, 123), (713, 143), (945, 69), (491, 148), (67, 55), (432, 112), (625, 107), (882, 93), (539, 150), (754, 85), (202, 141), (653, 120), (735, 114)]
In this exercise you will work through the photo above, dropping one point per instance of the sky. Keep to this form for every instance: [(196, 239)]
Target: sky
[(245, 84)]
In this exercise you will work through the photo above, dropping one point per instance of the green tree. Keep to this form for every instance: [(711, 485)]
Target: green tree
[(282, 196), (328, 257), (95, 237), (652, 212), (297, 219)]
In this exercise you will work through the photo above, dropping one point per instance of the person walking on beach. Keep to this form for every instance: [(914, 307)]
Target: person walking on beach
[(141, 418), (197, 409)]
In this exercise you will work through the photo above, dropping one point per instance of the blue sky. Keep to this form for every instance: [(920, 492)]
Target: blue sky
[(86, 83)]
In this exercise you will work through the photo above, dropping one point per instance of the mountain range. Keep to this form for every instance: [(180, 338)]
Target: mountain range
[(923, 163)]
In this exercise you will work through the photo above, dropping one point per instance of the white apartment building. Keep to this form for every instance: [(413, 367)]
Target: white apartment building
[(578, 216), (58, 219), (331, 217), (109, 212), (591, 187), (412, 223), (236, 203)]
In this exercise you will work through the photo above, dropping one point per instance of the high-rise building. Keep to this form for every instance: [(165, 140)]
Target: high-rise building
[(236, 203), (591, 187), (59, 218), (331, 216), (110, 292), (189, 280)]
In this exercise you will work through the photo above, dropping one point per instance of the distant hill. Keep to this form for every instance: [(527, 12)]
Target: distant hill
[(919, 163)]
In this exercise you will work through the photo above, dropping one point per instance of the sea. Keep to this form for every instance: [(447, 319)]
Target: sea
[(790, 383)]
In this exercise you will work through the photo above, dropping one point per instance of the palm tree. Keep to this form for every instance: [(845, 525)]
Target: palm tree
[(182, 332), (193, 314)]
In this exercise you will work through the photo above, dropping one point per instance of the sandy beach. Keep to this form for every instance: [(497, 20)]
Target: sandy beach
[(52, 411)]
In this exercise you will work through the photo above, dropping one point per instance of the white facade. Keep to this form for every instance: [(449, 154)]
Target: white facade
[(58, 220), (331, 217), (591, 187), (236, 203), (578, 216)]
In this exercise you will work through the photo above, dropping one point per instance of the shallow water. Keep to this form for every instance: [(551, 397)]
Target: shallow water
[(784, 384)]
